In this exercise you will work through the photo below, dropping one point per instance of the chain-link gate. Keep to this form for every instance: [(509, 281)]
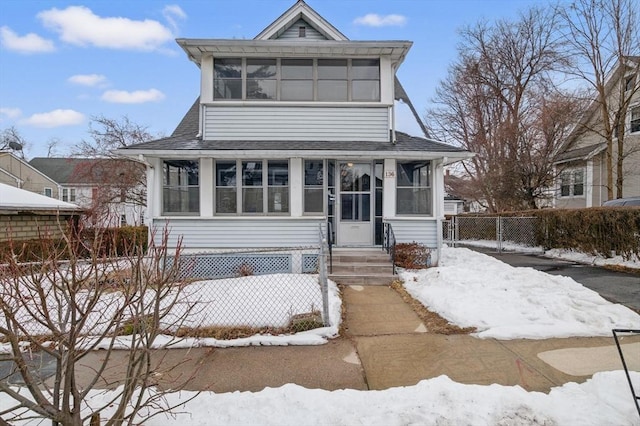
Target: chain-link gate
[(494, 232)]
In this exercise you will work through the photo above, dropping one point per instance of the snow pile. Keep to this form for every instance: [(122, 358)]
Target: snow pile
[(603, 400), (475, 290), (575, 256)]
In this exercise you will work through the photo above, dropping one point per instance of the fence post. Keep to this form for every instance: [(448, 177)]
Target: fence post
[(455, 231), (499, 233)]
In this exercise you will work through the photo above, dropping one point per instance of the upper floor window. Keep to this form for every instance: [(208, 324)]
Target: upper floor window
[(227, 78), (48, 192), (180, 187), (288, 79), (572, 183), (629, 82), (635, 119), (413, 188)]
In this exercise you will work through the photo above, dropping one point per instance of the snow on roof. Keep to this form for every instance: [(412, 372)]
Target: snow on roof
[(12, 198)]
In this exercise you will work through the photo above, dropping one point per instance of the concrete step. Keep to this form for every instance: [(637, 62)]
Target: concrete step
[(376, 256), (377, 279), (362, 268)]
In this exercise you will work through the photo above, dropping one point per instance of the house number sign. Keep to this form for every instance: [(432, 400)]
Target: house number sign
[(390, 174)]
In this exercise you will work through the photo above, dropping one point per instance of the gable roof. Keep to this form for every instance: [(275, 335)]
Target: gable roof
[(300, 10), (79, 171), (26, 164), (584, 153), (619, 71), (13, 199)]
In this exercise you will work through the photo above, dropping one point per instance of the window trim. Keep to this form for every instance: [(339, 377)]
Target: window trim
[(239, 187), (49, 189)]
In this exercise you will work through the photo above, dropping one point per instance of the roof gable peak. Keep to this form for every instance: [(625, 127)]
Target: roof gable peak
[(300, 11)]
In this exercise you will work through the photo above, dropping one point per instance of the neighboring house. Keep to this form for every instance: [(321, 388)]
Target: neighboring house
[(453, 205), (111, 190), (293, 129), (582, 168), (25, 215), (16, 172)]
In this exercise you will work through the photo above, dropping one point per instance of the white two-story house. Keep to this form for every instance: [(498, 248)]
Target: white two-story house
[(295, 129)]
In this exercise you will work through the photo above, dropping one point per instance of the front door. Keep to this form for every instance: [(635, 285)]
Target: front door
[(355, 226)]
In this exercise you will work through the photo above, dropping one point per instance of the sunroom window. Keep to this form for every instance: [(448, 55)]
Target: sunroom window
[(297, 79), (314, 186), (413, 188), (263, 188), (180, 187)]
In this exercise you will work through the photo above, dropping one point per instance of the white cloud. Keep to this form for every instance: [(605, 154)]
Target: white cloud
[(91, 80), (135, 97), (375, 20), (171, 12), (55, 118), (30, 43), (10, 112), (80, 26)]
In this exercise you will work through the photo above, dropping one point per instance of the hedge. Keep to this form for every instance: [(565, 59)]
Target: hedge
[(596, 230), (105, 242)]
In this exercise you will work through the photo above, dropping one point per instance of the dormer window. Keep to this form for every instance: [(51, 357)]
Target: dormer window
[(302, 32)]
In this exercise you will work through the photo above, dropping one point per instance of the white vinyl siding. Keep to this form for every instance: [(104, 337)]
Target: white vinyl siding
[(296, 123), (424, 231), (240, 232), (294, 31)]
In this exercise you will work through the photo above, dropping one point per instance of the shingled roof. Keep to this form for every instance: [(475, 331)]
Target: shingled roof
[(79, 171)]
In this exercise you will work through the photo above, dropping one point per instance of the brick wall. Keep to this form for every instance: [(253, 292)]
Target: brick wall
[(28, 227)]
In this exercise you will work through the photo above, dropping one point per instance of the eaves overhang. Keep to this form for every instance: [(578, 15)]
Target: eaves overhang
[(448, 157), (196, 49)]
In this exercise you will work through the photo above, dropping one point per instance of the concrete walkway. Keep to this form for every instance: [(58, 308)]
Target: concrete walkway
[(385, 344)]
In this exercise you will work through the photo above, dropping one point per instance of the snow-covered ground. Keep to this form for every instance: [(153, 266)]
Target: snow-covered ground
[(604, 400), (470, 289)]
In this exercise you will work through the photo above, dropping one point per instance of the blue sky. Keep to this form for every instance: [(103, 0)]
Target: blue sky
[(62, 62)]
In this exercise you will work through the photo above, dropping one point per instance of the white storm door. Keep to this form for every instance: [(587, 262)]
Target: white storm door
[(355, 226)]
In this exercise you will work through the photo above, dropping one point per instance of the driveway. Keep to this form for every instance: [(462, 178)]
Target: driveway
[(617, 287)]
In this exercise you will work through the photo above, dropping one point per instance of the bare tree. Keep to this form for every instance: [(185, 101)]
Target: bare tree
[(498, 101), (122, 180), (604, 37), (11, 139), (78, 299)]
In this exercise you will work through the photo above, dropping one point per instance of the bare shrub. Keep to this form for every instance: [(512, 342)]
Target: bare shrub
[(67, 305)]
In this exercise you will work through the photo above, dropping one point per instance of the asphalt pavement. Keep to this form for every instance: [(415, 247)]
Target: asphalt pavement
[(615, 286)]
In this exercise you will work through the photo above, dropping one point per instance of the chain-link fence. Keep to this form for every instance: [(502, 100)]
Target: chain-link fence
[(278, 289), (494, 232), (208, 294)]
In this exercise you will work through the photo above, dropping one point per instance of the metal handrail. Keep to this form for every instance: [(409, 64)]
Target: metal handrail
[(389, 244), (330, 243)]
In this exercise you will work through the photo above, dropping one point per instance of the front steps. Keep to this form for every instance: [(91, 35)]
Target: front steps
[(370, 266)]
